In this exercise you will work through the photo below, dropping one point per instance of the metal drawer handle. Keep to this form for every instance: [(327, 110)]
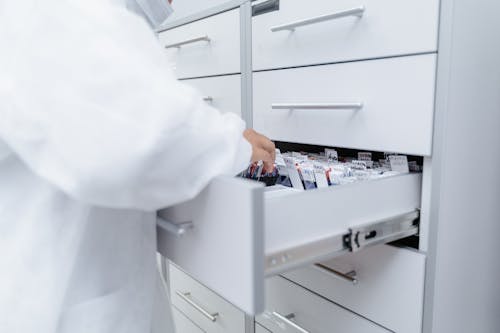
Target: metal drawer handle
[(208, 99), (317, 106), (189, 41), (288, 320), (357, 11), (186, 297), (349, 276), (177, 229)]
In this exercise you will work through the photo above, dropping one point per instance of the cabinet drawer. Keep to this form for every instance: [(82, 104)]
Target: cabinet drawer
[(183, 324), (222, 92), (384, 105), (207, 47), (389, 288), (260, 329), (187, 8), (288, 305), (237, 225), (323, 34), (202, 306)]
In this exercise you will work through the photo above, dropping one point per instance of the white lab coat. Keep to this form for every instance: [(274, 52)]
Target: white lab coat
[(95, 135)]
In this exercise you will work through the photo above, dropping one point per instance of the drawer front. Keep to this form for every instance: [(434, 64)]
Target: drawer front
[(288, 305), (207, 47), (261, 329), (326, 35), (224, 248), (222, 92), (389, 288), (183, 324), (202, 306), (382, 105), (186, 8)]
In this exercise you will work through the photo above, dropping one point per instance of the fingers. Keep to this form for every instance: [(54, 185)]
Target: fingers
[(264, 156), (263, 149)]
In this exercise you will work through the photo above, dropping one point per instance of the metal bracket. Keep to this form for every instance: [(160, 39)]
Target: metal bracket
[(382, 232)]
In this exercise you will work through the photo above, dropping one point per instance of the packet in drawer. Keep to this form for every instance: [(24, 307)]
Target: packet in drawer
[(304, 171)]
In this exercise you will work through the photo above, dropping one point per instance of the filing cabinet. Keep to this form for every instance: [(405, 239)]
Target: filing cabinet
[(349, 74)]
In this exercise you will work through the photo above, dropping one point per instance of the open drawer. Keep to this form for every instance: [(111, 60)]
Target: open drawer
[(236, 232)]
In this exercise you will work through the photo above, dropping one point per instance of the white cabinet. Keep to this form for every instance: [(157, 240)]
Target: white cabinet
[(207, 47), (183, 324), (325, 31), (340, 73), (260, 329), (383, 105), (203, 307), (186, 8), (385, 285), (291, 308), (237, 226), (221, 92)]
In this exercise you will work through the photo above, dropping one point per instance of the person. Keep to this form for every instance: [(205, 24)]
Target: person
[(96, 134)]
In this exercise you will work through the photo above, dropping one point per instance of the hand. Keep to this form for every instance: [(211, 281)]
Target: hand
[(263, 149)]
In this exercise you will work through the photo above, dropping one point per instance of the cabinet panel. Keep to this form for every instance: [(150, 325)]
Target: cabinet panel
[(207, 47), (382, 105), (388, 286), (324, 34), (205, 308), (260, 329), (183, 324), (290, 308), (187, 8), (222, 92)]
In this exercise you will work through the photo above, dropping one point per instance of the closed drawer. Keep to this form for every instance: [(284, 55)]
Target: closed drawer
[(290, 308), (207, 47), (187, 8), (389, 288), (260, 329), (202, 306), (236, 225), (382, 105), (323, 34), (183, 324), (222, 92)]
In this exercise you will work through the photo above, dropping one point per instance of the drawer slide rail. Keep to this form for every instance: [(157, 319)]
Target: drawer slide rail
[(356, 239)]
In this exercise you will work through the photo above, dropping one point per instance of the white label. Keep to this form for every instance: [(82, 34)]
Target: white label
[(307, 174), (399, 163), (332, 154), (320, 175), (293, 173), (359, 165)]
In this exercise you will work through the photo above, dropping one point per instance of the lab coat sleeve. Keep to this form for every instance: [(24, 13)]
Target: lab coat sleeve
[(95, 110)]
